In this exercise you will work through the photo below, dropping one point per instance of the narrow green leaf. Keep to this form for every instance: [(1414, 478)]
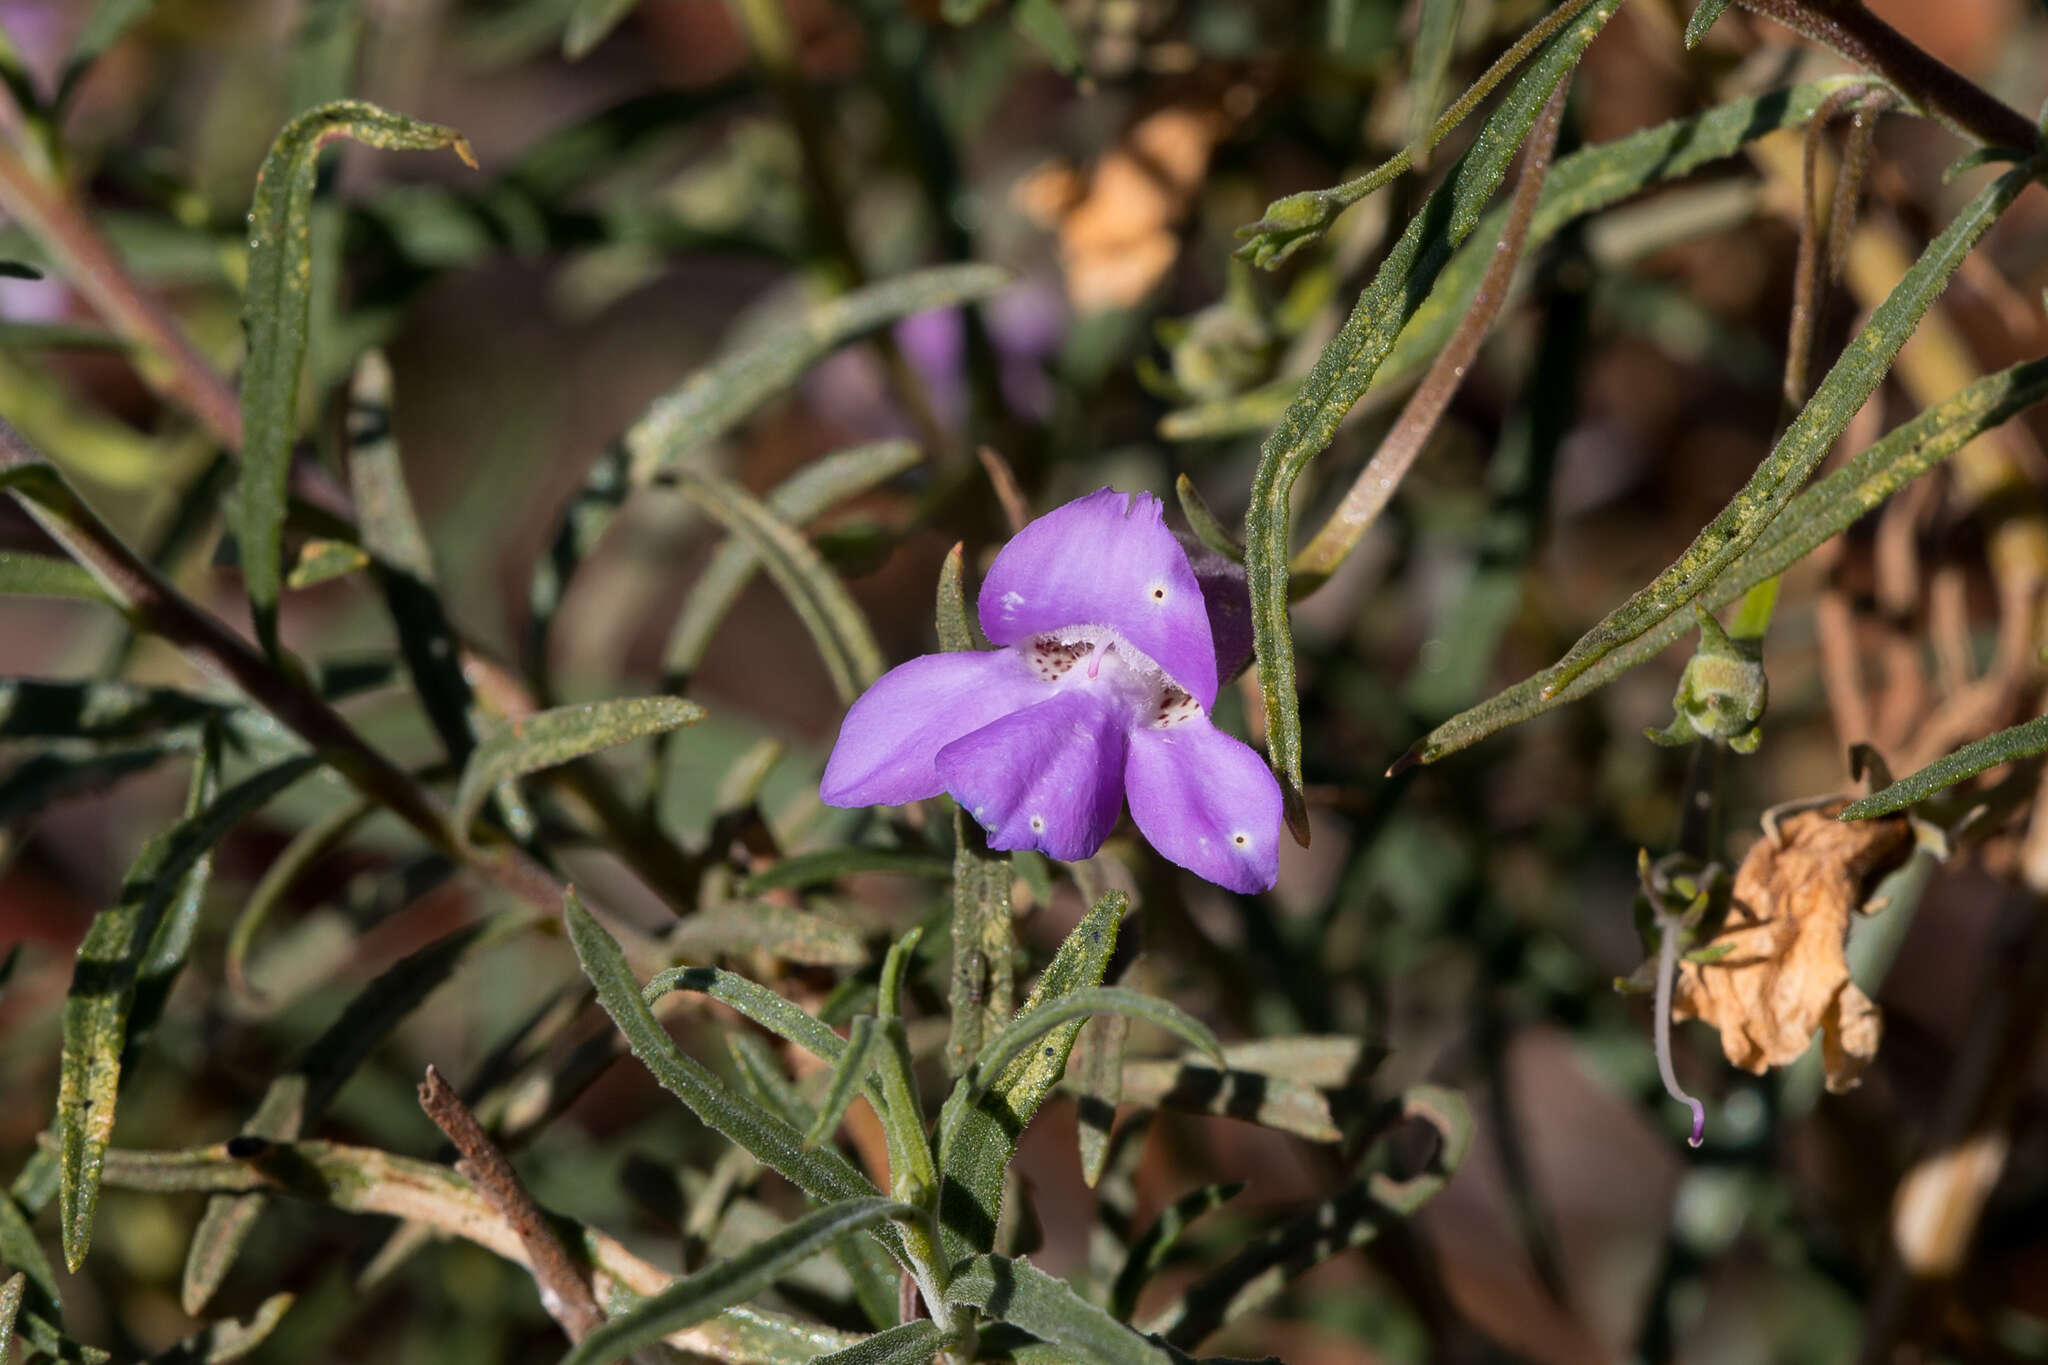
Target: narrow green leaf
[(957, 629), (120, 953), (1018, 1292), (307, 847), (42, 1335), (1208, 528), (753, 1001), (405, 566), (1240, 1092), (980, 1124), (830, 864), (2029, 740), (837, 625), (696, 1297), (47, 778), (798, 500), (1436, 32), (763, 926), (590, 23), (912, 1343), (23, 573), (10, 1308), (761, 1075), (821, 1173), (983, 981), (323, 561), (1584, 182), (34, 708), (1703, 16), (913, 1173), (1158, 1241), (712, 402), (296, 1099), (1023, 1034), (1098, 1066), (1347, 366), (1255, 1275), (1806, 441), (274, 318), (849, 1074), (1812, 518), (550, 738), (220, 1342)]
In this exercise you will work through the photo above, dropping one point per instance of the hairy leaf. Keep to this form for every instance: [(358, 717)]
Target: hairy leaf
[(128, 947), (1347, 366), (980, 1124), (274, 317), (849, 1073), (821, 1173), (798, 500), (1016, 1291), (694, 1298), (1815, 516), (294, 1100), (550, 738)]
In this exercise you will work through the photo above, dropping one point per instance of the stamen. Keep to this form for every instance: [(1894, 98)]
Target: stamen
[(1095, 663)]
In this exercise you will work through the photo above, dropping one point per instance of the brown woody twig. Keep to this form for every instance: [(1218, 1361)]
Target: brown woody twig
[(564, 1285)]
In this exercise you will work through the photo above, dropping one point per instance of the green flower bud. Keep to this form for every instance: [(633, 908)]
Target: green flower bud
[(1722, 694)]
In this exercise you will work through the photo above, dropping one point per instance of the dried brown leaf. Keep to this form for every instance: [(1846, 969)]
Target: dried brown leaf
[(1116, 225), (1779, 972)]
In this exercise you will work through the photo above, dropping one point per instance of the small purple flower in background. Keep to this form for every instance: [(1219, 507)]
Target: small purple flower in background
[(1101, 690)]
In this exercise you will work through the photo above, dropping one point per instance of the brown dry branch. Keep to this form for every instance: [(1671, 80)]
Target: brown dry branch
[(564, 1287), (1779, 972)]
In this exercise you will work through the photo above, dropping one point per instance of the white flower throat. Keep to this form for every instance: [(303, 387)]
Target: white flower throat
[(1100, 659)]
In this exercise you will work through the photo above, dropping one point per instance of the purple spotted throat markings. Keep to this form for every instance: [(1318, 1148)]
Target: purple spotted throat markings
[(1111, 647)]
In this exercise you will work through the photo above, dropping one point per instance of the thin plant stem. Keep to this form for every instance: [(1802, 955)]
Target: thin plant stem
[(564, 1287), (1374, 488), (1944, 93), (159, 608)]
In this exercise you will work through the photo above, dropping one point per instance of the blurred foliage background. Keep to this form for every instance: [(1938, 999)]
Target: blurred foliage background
[(668, 188)]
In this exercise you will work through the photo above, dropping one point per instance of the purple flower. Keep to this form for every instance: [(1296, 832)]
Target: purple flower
[(1101, 690)]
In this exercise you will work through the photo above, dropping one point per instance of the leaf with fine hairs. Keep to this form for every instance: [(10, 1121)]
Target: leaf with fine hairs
[(694, 1298), (275, 310), (820, 1172), (911, 1343), (1347, 366), (548, 739), (1018, 1292), (2028, 740), (1816, 516), (981, 1121), (133, 947)]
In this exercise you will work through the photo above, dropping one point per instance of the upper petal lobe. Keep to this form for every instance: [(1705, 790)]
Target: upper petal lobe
[(891, 737), (1050, 778), (1106, 560), (1207, 801)]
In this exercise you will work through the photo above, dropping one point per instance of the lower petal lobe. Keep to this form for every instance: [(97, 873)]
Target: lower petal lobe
[(1207, 801), (1050, 778), (891, 737)]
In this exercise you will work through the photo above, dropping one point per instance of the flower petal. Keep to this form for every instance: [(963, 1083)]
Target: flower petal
[(1050, 778), (1105, 560), (1207, 801), (890, 738)]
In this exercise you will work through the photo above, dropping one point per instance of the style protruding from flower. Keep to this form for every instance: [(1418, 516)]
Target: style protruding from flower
[(1101, 690)]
